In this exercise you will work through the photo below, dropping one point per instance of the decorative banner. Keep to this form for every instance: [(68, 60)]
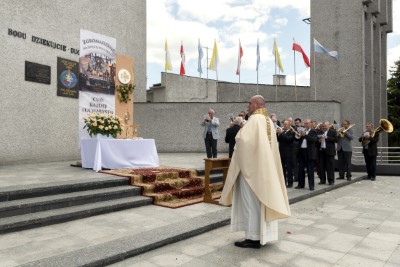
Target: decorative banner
[(67, 78), (97, 67)]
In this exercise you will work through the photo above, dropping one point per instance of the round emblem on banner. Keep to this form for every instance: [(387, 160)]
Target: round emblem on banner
[(124, 76), (68, 79)]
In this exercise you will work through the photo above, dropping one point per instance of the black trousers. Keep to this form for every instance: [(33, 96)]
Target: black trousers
[(211, 146), (295, 161), (286, 160), (370, 163), (306, 162), (326, 167), (344, 163)]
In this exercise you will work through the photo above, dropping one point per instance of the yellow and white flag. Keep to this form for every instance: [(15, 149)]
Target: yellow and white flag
[(214, 59), (275, 52), (168, 64)]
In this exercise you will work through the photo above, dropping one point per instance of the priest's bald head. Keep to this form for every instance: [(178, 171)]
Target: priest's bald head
[(255, 103)]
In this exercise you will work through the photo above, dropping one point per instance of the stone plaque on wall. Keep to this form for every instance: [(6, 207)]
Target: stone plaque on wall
[(37, 73)]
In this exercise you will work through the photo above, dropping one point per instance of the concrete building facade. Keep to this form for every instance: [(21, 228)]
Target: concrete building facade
[(358, 31), (38, 125)]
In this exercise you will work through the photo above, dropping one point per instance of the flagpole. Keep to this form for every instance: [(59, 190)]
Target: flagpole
[(295, 78), (276, 82), (315, 79), (257, 81), (258, 63), (206, 47), (239, 86)]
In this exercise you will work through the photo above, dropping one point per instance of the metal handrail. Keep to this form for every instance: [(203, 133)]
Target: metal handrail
[(385, 155)]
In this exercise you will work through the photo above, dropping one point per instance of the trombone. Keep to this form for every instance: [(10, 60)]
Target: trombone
[(384, 125), (342, 131)]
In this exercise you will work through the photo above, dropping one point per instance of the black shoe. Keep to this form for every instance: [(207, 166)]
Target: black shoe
[(289, 186), (311, 188), (341, 178), (299, 187), (331, 183), (248, 244), (373, 179), (321, 183), (349, 179), (367, 178)]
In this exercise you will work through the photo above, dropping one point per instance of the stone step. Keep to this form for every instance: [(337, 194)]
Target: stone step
[(38, 219), (38, 204), (46, 189), (130, 246)]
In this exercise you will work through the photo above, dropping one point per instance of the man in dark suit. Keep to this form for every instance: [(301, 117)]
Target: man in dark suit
[(369, 141), (345, 150), (295, 159), (327, 138), (307, 155), (285, 138), (231, 134)]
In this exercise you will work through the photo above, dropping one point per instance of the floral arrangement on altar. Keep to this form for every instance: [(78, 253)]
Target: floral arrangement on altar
[(124, 90), (104, 124)]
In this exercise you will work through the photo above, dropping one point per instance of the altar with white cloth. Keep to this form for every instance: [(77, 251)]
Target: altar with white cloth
[(118, 153)]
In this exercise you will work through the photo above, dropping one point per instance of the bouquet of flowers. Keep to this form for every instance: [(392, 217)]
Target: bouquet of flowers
[(104, 124)]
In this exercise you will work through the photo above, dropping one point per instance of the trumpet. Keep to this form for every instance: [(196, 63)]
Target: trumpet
[(342, 131), (296, 133)]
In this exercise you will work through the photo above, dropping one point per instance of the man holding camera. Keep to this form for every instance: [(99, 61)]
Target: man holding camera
[(210, 133)]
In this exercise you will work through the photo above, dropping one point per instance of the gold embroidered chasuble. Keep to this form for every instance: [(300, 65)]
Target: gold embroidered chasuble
[(256, 156)]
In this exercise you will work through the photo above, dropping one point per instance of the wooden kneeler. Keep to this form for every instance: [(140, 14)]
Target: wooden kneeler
[(214, 164)]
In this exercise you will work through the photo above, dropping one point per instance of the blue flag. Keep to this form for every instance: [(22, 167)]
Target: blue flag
[(318, 48), (199, 69)]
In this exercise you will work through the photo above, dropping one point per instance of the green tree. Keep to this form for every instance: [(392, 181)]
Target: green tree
[(393, 95)]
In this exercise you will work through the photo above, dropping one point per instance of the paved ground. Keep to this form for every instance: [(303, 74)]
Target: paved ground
[(356, 225)]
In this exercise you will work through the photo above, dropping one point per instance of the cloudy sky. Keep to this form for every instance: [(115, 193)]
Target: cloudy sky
[(226, 21)]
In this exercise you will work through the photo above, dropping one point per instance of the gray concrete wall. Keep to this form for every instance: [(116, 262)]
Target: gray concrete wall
[(176, 126), (37, 125), (177, 88), (228, 92), (187, 89), (358, 78)]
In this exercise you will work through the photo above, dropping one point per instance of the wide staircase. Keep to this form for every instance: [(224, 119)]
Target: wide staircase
[(44, 204), (26, 207)]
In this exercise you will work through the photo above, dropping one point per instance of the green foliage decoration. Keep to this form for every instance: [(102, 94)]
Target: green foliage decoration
[(124, 92)]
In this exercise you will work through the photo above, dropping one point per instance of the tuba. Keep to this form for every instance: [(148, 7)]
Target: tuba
[(384, 125), (342, 131)]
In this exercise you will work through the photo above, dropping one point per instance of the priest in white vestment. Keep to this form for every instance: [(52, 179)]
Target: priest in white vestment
[(255, 185)]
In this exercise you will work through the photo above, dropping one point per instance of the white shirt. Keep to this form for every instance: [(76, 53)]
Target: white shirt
[(323, 143), (304, 143)]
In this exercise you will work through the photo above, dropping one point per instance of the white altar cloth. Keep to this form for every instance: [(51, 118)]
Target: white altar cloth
[(118, 153)]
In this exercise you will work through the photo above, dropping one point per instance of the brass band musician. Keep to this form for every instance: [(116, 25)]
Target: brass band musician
[(369, 140), (345, 150)]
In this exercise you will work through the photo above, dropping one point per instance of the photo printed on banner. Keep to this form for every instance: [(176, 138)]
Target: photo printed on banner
[(97, 63)]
